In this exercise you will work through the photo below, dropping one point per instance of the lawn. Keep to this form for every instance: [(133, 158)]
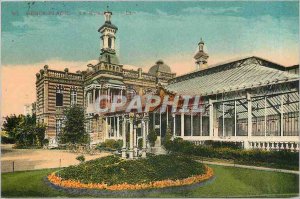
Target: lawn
[(229, 182)]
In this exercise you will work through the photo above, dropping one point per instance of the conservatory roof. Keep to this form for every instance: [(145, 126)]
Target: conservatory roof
[(230, 76)]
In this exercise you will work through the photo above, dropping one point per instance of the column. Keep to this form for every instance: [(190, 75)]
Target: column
[(153, 120), (174, 125), (108, 95), (113, 43), (111, 95), (115, 127), (192, 125), (135, 149), (131, 138), (223, 120), (281, 115), (147, 133), (110, 125), (249, 115), (106, 128), (211, 118), (160, 124), (144, 138), (167, 115), (265, 114), (124, 138), (94, 95), (107, 92), (201, 120), (118, 127), (182, 125), (235, 118)]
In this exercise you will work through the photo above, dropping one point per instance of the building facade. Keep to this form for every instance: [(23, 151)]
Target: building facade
[(251, 101), (57, 90)]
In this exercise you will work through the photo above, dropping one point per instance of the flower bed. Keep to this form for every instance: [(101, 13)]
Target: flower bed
[(125, 186), (204, 173)]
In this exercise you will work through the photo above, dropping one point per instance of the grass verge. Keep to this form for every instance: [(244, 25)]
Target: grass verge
[(229, 182)]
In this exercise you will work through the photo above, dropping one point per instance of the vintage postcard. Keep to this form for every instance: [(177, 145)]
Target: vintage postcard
[(149, 99)]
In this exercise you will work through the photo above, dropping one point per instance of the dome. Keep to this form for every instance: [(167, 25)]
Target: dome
[(160, 66)]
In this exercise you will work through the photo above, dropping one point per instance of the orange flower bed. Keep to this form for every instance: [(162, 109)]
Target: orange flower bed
[(125, 186)]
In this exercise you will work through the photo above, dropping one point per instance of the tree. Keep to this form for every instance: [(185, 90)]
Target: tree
[(152, 136), (28, 133), (10, 124), (74, 131), (168, 136)]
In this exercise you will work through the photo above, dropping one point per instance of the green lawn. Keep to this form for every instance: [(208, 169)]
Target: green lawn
[(230, 182)]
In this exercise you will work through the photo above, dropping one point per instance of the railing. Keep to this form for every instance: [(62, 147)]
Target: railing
[(59, 74), (292, 146)]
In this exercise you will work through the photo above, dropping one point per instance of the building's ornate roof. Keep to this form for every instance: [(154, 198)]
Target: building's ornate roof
[(160, 66), (115, 81), (240, 74), (201, 54), (108, 24)]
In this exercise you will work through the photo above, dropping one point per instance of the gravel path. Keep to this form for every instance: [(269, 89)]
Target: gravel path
[(249, 167), (32, 159)]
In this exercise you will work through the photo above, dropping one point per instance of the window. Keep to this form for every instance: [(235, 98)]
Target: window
[(73, 97), (108, 61), (90, 98), (59, 126), (109, 42), (59, 95)]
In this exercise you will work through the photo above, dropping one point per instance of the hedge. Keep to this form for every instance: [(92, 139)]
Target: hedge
[(110, 145), (279, 159)]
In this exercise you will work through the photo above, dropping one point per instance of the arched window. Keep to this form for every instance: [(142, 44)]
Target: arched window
[(109, 42), (59, 95)]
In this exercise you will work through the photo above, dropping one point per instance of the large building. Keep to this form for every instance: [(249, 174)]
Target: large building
[(251, 101), (57, 90)]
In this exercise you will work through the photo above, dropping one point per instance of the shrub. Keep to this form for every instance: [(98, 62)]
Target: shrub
[(113, 170), (80, 158), (152, 136), (280, 159), (168, 136), (219, 144), (45, 142), (140, 143), (111, 144)]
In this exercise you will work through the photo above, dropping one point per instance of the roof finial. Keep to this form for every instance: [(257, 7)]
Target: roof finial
[(201, 41)]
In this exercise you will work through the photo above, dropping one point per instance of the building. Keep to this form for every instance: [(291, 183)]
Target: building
[(251, 100), (57, 90), (30, 109)]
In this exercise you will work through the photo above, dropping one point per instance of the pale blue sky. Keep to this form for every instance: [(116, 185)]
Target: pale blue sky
[(154, 30)]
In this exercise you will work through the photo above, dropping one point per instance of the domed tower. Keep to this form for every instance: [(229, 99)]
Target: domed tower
[(201, 57), (108, 31), (162, 72)]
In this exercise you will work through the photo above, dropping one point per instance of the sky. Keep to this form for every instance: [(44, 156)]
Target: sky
[(64, 34)]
